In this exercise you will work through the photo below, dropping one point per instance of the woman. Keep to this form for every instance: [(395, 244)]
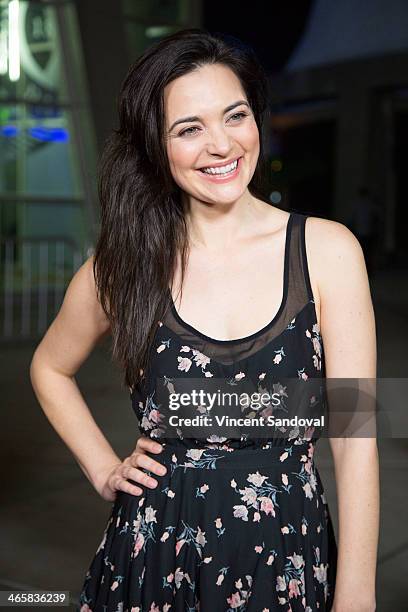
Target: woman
[(232, 522)]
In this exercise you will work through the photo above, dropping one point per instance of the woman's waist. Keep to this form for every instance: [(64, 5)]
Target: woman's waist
[(261, 453)]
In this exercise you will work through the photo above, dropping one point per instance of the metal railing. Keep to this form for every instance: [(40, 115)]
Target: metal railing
[(35, 273)]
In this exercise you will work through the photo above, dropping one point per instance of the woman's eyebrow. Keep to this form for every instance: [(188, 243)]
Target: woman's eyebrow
[(196, 118)]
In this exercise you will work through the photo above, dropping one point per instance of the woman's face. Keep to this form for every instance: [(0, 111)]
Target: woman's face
[(209, 134)]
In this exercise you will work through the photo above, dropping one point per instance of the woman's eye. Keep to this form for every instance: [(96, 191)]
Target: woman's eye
[(187, 130), (239, 115)]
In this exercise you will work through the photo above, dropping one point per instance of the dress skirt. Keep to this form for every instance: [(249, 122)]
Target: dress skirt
[(224, 530)]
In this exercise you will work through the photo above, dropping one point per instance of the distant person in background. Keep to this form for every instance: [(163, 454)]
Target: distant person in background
[(364, 224)]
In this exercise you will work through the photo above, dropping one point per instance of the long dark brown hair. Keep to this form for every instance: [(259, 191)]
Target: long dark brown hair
[(142, 217)]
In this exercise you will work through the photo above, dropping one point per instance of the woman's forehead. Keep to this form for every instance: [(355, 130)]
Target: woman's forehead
[(193, 91)]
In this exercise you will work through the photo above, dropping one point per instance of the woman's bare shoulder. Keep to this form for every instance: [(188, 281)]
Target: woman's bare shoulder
[(332, 249)]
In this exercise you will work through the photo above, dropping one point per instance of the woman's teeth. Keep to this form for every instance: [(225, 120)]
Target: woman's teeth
[(222, 170)]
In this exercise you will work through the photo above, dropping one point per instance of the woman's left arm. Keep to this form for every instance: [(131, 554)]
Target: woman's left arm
[(348, 329)]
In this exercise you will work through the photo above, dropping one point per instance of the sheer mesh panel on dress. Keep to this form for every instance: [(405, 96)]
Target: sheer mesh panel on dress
[(296, 294)]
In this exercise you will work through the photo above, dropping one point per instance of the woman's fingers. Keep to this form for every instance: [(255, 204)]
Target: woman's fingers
[(141, 460), (147, 444), (130, 468)]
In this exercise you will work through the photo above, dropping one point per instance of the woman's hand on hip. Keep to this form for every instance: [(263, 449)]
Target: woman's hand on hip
[(114, 478)]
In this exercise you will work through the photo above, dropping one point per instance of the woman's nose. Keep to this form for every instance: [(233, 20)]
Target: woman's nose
[(218, 141)]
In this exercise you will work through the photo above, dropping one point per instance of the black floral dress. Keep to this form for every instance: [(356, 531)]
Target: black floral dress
[(236, 523)]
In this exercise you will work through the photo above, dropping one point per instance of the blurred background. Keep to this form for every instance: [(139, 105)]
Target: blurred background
[(337, 149)]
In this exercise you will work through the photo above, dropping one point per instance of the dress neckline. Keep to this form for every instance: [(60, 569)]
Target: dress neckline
[(265, 327)]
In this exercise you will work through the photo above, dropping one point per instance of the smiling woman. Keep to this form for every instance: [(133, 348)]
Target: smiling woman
[(181, 546), (237, 521)]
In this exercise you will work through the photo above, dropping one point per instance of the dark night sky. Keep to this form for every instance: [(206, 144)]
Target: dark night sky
[(271, 28)]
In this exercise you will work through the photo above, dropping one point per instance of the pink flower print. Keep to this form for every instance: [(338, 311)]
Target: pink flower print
[(270, 560), (277, 358), (150, 515), (248, 495), (280, 583), (184, 364), (256, 479), (316, 328), (241, 512), (170, 577), (262, 376), (297, 560), (304, 376), (204, 488), (317, 362), (285, 479), (267, 505), (320, 572), (304, 529), (220, 579), (194, 453), (293, 588), (208, 375), (283, 456), (171, 494), (218, 523), (115, 585), (161, 347), (258, 549), (257, 517), (308, 490), (85, 608), (138, 544), (235, 601), (308, 334), (316, 346), (239, 376), (207, 559), (267, 412), (233, 484), (178, 577), (154, 415), (154, 608), (285, 529), (200, 539), (179, 544), (200, 359), (165, 536)]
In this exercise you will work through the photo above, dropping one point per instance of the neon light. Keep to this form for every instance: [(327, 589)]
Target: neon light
[(14, 40), (9, 131), (49, 134)]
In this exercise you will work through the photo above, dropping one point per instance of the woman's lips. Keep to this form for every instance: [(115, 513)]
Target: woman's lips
[(220, 178)]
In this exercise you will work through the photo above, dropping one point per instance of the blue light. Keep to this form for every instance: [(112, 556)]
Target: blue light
[(9, 131), (49, 134)]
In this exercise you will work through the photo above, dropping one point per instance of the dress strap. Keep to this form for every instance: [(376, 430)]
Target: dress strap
[(300, 290), (305, 265)]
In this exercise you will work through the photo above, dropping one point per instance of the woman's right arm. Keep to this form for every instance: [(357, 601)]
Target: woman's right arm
[(79, 325)]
